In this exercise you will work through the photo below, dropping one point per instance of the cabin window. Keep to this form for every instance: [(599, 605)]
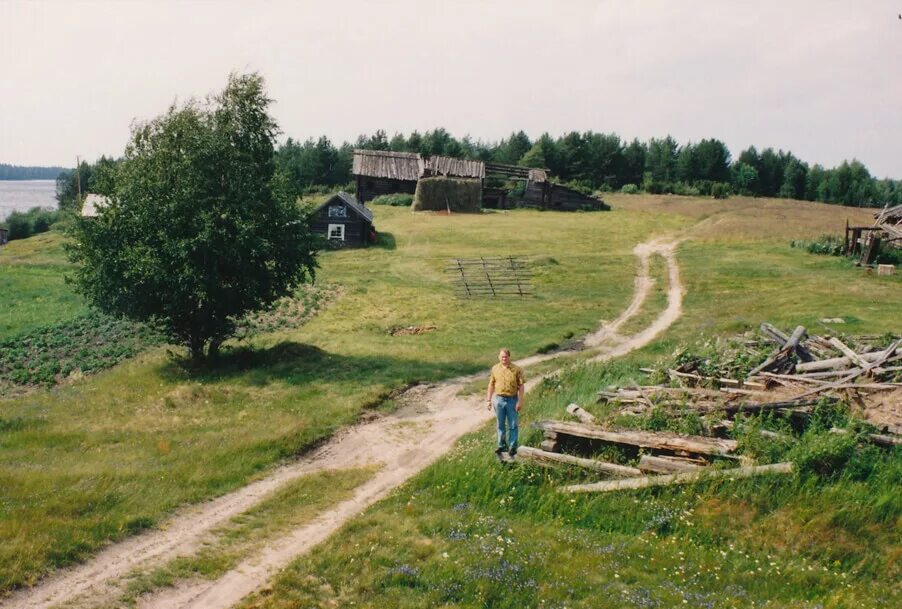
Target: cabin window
[(338, 211), (337, 232)]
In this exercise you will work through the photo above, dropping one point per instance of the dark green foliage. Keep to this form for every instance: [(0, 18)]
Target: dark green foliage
[(86, 344), (395, 200), (825, 245), (98, 178), (200, 229), (36, 220)]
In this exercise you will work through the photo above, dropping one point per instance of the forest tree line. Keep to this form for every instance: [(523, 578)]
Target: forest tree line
[(15, 172), (588, 161)]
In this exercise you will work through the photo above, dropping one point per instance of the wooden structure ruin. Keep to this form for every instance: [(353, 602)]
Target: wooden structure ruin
[(381, 172), (799, 371), (490, 277), (865, 241), (344, 221)]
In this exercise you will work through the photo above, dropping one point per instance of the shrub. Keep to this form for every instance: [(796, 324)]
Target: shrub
[(397, 199), (720, 190), (825, 245), (629, 189), (36, 220)]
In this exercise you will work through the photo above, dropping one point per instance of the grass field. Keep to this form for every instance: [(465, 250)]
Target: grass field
[(105, 456), (33, 291)]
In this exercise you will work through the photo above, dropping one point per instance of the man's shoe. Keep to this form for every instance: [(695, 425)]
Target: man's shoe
[(499, 450), (513, 452)]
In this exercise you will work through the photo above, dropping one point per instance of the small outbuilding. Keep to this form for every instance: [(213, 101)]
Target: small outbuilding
[(4, 236), (93, 204), (344, 221)]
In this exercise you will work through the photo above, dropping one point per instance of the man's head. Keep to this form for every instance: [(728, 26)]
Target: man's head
[(504, 356)]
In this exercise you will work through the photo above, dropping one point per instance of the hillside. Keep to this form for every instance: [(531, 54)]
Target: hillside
[(119, 451)]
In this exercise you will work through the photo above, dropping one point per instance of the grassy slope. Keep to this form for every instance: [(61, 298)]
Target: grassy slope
[(32, 290), (109, 455), (475, 535)]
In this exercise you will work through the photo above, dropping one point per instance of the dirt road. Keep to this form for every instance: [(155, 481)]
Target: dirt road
[(405, 442)]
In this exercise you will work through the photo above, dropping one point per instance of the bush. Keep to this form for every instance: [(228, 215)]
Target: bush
[(720, 190), (395, 200), (825, 245), (629, 189), (36, 220)]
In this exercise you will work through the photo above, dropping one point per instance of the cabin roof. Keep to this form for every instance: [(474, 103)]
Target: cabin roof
[(351, 201)]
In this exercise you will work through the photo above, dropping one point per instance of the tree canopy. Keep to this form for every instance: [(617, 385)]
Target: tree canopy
[(200, 228)]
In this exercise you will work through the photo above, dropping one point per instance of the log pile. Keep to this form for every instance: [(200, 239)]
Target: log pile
[(799, 371)]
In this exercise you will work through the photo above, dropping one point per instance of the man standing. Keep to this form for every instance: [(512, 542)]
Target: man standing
[(506, 384)]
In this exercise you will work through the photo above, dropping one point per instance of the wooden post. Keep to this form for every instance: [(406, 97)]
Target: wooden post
[(845, 246), (488, 276)]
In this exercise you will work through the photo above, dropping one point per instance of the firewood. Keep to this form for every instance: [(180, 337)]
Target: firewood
[(837, 363), (681, 478), (856, 359)]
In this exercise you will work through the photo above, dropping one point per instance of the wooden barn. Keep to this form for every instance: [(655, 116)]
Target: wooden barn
[(382, 172), (344, 221)]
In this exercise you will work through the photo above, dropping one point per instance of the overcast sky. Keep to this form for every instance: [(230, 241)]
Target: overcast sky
[(820, 78)]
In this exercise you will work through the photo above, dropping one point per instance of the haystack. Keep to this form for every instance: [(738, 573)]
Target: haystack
[(448, 194)]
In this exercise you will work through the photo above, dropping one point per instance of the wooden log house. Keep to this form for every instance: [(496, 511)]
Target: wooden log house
[(344, 221)]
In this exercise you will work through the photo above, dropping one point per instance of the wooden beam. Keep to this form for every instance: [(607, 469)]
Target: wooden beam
[(644, 439), (681, 478), (584, 416), (548, 458), (663, 465)]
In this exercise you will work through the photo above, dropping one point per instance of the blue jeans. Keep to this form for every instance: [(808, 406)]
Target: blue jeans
[(506, 412)]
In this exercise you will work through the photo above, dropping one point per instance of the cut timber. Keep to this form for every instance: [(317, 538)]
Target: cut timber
[(838, 363), (550, 446), (663, 465), (754, 408), (586, 417), (856, 359), (643, 439), (541, 456), (781, 356), (682, 478), (879, 439)]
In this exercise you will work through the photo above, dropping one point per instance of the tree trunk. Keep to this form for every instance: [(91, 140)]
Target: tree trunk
[(644, 439)]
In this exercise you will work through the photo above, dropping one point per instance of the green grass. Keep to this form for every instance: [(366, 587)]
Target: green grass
[(104, 457), (33, 291), (475, 534)]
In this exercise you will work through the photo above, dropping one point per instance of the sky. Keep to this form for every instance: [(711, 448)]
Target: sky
[(820, 78)]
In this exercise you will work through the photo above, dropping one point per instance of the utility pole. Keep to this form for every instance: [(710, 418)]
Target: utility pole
[(78, 176)]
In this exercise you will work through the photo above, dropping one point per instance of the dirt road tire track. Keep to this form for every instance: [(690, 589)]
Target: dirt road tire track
[(406, 442)]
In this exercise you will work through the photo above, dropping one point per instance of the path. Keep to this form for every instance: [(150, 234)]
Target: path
[(406, 441)]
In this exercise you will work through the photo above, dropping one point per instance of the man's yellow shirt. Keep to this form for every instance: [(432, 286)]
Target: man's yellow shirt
[(507, 379)]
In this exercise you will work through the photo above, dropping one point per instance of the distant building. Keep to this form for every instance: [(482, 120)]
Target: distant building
[(4, 236), (344, 221), (93, 204), (383, 172)]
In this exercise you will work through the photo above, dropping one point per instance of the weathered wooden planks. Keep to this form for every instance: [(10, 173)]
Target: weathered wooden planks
[(643, 439), (681, 478)]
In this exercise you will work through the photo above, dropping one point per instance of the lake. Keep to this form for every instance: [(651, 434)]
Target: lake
[(22, 195)]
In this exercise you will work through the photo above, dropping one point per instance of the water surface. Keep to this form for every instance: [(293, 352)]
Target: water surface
[(22, 195)]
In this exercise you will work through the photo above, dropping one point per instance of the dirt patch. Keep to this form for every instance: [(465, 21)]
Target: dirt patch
[(411, 330)]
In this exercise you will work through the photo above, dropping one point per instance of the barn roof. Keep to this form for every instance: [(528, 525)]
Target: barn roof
[(350, 201), (437, 165), (387, 164)]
